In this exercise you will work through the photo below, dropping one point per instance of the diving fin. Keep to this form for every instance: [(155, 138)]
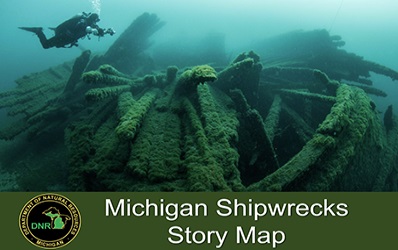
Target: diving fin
[(32, 29)]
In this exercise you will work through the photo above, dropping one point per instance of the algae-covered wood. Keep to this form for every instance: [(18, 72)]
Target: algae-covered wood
[(274, 119)]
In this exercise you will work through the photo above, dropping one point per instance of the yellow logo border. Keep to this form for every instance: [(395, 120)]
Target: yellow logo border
[(49, 197)]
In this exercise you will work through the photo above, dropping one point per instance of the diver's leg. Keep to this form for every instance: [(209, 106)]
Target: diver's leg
[(42, 37), (46, 43)]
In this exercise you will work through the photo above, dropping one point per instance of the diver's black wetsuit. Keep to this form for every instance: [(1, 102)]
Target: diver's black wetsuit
[(69, 32)]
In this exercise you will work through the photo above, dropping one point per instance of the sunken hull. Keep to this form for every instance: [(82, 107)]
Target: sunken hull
[(277, 119)]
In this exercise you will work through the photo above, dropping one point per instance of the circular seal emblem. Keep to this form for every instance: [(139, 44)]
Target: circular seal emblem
[(50, 221)]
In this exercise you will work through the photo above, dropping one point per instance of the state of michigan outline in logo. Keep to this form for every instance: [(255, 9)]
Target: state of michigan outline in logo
[(50, 221)]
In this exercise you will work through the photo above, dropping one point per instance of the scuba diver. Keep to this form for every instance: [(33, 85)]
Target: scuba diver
[(69, 32)]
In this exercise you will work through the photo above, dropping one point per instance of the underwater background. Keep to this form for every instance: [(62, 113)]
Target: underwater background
[(368, 28)]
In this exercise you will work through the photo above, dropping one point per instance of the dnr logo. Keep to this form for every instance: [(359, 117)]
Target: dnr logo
[(50, 221)]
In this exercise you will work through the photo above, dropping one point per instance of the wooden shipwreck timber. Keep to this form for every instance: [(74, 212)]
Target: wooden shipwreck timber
[(294, 115)]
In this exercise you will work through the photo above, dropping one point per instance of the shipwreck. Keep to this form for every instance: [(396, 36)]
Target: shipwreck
[(294, 113)]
